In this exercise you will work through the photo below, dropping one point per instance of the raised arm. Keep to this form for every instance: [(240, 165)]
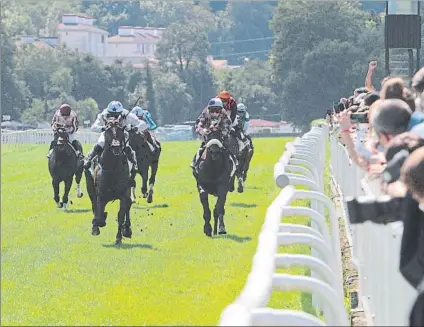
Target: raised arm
[(368, 79)]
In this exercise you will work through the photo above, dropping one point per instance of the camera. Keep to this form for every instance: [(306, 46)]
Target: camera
[(392, 171), (359, 117), (382, 210)]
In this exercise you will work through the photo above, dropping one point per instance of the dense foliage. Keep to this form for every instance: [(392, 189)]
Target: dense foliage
[(320, 51)]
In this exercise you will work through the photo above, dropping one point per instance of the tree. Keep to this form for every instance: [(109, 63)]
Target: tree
[(87, 110), (150, 92), (182, 47), (13, 91), (300, 25), (309, 91), (319, 55), (34, 114), (173, 99)]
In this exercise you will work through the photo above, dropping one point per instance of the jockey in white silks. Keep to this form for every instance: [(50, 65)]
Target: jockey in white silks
[(114, 110)]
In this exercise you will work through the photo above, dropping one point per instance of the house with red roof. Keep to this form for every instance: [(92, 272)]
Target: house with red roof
[(133, 44), (78, 32)]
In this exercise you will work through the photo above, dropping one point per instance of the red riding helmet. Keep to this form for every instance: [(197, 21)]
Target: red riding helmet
[(65, 109)]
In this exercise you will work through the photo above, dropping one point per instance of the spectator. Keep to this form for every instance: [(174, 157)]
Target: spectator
[(390, 119), (393, 88)]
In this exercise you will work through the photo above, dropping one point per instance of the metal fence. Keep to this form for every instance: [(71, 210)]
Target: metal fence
[(325, 284)]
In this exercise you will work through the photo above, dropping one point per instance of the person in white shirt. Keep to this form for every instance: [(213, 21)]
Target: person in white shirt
[(129, 120)]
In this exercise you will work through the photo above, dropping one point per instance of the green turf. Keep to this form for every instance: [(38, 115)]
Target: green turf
[(54, 272)]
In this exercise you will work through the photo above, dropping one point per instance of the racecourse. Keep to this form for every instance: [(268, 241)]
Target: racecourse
[(54, 272)]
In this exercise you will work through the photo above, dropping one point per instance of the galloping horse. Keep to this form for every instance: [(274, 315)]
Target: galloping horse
[(63, 165), (243, 151), (110, 181), (146, 158), (216, 169)]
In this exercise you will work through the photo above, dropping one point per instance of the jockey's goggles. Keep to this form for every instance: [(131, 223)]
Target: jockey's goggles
[(214, 109)]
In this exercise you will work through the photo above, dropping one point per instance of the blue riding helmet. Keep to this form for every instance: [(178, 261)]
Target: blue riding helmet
[(145, 115), (115, 107), (215, 103)]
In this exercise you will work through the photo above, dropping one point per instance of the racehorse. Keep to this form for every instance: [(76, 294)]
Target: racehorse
[(146, 158), (243, 151), (63, 165), (108, 179), (216, 169)]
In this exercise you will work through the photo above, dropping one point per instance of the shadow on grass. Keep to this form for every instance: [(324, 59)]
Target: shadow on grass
[(130, 246), (137, 206), (236, 238), (243, 205), (78, 210)]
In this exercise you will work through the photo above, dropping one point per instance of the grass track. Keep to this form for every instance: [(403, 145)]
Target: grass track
[(55, 273)]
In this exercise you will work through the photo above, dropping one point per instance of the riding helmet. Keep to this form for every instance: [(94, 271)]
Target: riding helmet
[(215, 102), (115, 107), (65, 109)]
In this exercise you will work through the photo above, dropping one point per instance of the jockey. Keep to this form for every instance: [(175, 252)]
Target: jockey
[(67, 117), (215, 112), (243, 122), (114, 110), (145, 116), (245, 118), (230, 105)]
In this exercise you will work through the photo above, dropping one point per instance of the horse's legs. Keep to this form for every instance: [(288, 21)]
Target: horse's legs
[(91, 189), (207, 228), (152, 179), (249, 158), (241, 171), (99, 215), (219, 211), (125, 203), (133, 185), (78, 176), (144, 172), (127, 232), (55, 184), (68, 184)]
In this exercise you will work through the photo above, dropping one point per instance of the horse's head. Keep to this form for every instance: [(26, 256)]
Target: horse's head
[(115, 136), (214, 143), (62, 138)]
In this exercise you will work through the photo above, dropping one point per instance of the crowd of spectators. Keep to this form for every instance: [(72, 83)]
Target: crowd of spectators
[(383, 133)]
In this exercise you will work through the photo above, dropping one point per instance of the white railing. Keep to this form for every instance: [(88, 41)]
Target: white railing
[(42, 136), (249, 309), (384, 294)]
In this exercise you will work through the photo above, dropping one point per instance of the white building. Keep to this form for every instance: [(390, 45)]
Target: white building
[(133, 44), (79, 33)]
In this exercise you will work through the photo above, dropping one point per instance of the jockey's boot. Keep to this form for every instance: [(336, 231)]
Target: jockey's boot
[(232, 156), (52, 144), (153, 143), (78, 149), (96, 150), (196, 160), (131, 156)]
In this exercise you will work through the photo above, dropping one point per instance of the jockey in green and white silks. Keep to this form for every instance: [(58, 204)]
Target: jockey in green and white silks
[(114, 110), (244, 117), (243, 123), (145, 116)]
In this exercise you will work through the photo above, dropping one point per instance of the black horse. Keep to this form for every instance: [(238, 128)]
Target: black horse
[(63, 165), (216, 169), (146, 158), (110, 180), (243, 151)]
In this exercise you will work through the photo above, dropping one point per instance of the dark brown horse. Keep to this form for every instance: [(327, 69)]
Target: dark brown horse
[(147, 158), (109, 180), (63, 165)]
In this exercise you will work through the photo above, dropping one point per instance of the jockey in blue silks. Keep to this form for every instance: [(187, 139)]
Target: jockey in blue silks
[(145, 116)]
